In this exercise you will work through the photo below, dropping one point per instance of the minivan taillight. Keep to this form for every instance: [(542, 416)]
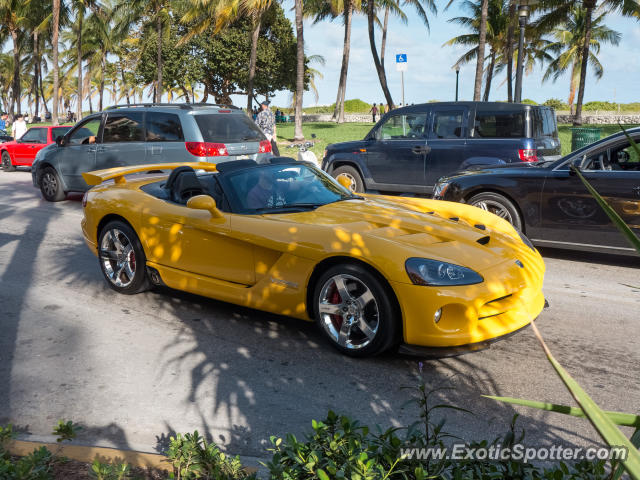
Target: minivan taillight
[(528, 155), (265, 146), (206, 149)]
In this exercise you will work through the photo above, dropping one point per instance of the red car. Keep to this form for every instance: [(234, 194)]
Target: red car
[(23, 151)]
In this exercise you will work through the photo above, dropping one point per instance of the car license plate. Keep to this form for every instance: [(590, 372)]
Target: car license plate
[(242, 157)]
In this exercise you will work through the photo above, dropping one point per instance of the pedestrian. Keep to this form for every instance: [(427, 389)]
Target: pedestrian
[(3, 121), (19, 127), (374, 112), (266, 120)]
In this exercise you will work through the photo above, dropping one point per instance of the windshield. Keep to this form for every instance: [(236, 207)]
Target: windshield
[(228, 128), (284, 188)]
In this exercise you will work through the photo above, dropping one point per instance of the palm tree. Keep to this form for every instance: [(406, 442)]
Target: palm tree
[(56, 72), (496, 27), (557, 13), (300, 70), (568, 47), (13, 17)]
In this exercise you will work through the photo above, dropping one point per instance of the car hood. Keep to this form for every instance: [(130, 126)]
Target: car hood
[(446, 231), (347, 146)]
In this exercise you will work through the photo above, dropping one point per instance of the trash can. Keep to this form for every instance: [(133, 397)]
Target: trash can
[(583, 136)]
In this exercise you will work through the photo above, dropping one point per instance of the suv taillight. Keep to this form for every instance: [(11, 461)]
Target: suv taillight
[(207, 149), (528, 155), (265, 146)]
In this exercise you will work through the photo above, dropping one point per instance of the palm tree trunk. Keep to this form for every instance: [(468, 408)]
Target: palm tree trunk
[(573, 86), (385, 26), (16, 71), (253, 58), (80, 15), (36, 62), (477, 89), (372, 43), (298, 135), (104, 66), (124, 84), (185, 92), (338, 111), (510, 40), (589, 5), (56, 67), (44, 100), (487, 87), (159, 32)]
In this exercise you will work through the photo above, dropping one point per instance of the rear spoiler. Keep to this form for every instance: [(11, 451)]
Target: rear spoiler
[(117, 174)]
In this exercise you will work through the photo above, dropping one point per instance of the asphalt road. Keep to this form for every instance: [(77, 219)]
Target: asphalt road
[(133, 369)]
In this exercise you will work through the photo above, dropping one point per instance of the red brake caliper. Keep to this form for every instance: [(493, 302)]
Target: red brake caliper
[(335, 299)]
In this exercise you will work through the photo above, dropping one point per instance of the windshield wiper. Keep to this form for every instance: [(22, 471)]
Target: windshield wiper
[(289, 208)]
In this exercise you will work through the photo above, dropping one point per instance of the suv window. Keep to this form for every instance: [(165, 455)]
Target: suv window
[(163, 127), (123, 127), (544, 123), (402, 127), (86, 133), (494, 124), (448, 124), (34, 135), (228, 128)]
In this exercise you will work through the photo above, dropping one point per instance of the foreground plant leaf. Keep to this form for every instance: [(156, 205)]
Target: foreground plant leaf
[(598, 418), (611, 213), (619, 418)]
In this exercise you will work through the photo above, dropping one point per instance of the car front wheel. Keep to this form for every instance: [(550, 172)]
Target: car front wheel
[(51, 186), (357, 185), (122, 258), (7, 166), (498, 205), (354, 311)]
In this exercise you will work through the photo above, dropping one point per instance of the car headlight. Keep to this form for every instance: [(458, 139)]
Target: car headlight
[(440, 188), (423, 271)]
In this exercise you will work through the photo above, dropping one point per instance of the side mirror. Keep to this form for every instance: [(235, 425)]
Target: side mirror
[(204, 202), (345, 181), (59, 140)]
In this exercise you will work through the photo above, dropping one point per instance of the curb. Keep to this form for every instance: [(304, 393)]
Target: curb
[(88, 454)]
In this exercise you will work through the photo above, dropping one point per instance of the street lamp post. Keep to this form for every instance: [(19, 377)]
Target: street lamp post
[(457, 80), (523, 13)]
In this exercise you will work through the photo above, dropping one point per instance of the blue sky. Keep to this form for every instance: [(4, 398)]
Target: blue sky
[(430, 76)]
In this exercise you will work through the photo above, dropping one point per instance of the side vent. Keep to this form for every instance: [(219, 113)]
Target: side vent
[(480, 226), (484, 240), (455, 219)]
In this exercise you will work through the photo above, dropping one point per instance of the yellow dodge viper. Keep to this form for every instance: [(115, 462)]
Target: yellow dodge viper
[(373, 271)]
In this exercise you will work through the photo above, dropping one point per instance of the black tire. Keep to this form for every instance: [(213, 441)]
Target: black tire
[(50, 185), (379, 315), (122, 259), (357, 185), (498, 205), (7, 166)]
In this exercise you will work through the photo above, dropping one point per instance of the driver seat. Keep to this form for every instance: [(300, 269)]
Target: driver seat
[(183, 184)]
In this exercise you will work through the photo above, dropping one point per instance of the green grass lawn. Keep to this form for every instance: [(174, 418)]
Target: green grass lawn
[(328, 132)]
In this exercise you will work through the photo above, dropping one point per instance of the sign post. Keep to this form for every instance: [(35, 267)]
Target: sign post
[(401, 66)]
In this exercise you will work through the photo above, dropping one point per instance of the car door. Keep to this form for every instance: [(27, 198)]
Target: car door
[(164, 138), (122, 140), (571, 215), (77, 152), (447, 142), (396, 158), (29, 144), (192, 241)]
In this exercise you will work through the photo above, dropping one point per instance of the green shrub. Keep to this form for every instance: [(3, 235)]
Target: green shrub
[(556, 103), (109, 471), (609, 106), (528, 101)]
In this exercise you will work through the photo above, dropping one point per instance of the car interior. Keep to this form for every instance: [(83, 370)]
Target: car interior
[(616, 158)]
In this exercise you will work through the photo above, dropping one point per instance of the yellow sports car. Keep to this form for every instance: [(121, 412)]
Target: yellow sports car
[(373, 271)]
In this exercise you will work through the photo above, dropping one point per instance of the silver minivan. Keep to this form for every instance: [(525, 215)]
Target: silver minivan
[(146, 134)]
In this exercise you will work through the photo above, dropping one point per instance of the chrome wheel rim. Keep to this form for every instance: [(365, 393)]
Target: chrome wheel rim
[(118, 258), (49, 184), (352, 181), (348, 312), (496, 208)]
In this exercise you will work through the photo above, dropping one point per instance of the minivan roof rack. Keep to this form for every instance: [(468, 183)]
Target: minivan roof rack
[(183, 106)]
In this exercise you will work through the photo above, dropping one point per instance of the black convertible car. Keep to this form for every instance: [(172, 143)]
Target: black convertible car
[(550, 204)]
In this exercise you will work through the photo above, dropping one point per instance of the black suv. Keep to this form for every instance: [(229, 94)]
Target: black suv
[(410, 148)]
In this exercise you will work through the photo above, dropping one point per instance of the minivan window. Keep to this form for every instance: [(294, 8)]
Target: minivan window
[(228, 128), (402, 127), (123, 127), (495, 124), (86, 133), (448, 124), (163, 127)]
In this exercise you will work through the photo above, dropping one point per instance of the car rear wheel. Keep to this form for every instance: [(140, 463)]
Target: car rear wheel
[(122, 258), (51, 186), (7, 166), (357, 185), (354, 311), (498, 205)]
